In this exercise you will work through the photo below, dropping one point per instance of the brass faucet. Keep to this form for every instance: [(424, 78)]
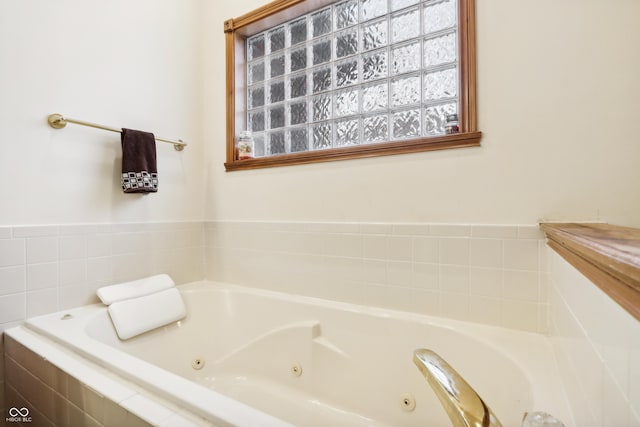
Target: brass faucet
[(463, 405)]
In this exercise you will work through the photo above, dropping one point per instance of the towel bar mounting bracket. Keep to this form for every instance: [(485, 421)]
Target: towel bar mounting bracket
[(56, 121)]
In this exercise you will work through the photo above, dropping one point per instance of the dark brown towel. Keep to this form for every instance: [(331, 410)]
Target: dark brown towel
[(139, 168)]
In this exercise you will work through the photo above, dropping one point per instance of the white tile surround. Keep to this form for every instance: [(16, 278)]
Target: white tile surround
[(55, 398), (59, 391), (482, 273), (502, 275), (597, 345), (49, 268)]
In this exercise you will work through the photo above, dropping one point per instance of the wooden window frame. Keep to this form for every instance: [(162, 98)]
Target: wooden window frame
[(279, 11)]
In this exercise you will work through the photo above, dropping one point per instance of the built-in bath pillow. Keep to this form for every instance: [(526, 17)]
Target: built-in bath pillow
[(142, 305)]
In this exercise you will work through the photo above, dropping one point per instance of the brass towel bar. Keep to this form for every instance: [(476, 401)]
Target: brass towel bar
[(57, 121)]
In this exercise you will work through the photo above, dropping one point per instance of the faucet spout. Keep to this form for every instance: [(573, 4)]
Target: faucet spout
[(462, 404)]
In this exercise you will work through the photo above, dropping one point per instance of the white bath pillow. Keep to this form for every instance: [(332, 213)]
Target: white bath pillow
[(137, 288), (135, 316)]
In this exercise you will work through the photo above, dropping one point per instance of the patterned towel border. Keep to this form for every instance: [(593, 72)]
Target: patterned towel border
[(137, 181)]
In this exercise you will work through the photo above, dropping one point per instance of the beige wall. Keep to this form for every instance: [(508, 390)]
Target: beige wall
[(558, 93), (557, 103), (119, 63)]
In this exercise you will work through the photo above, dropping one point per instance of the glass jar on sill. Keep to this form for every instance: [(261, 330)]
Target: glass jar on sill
[(451, 124), (245, 145)]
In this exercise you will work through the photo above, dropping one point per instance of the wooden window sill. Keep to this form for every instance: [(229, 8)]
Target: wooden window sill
[(459, 140), (608, 255)]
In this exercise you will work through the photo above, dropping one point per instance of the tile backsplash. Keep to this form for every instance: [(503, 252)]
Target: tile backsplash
[(49, 268), (483, 273)]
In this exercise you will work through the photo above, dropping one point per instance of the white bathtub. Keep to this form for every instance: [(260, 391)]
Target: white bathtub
[(354, 363)]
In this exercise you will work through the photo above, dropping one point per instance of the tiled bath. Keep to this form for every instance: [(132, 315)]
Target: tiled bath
[(492, 274), (44, 269), (50, 390)]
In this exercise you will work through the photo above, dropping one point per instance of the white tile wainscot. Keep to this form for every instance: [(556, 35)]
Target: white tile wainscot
[(597, 345), (44, 269), (595, 319), (49, 268), (483, 273)]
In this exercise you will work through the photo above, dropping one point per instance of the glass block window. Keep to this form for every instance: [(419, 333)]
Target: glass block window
[(352, 73)]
